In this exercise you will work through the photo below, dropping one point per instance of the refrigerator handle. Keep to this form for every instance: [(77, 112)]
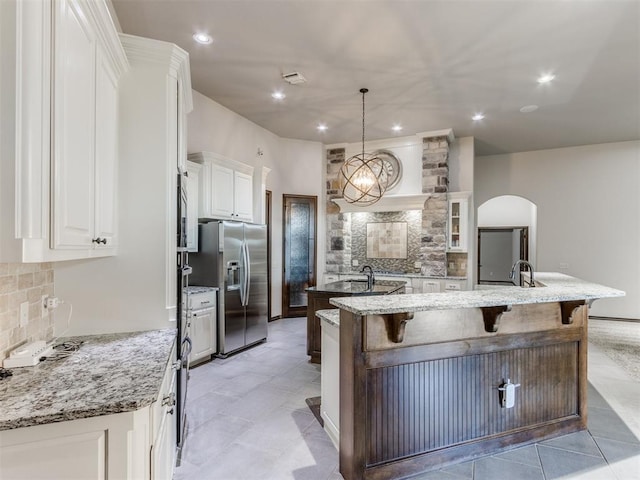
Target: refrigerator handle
[(243, 275), (247, 277)]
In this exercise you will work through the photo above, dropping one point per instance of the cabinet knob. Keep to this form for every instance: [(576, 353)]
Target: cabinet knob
[(99, 240)]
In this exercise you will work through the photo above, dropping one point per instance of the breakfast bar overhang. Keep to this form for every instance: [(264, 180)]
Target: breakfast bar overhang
[(430, 379)]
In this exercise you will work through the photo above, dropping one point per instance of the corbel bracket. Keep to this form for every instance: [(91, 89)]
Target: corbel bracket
[(395, 323), (568, 308), (491, 316)]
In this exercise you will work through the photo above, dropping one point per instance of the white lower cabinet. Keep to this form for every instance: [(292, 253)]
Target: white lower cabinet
[(133, 445), (202, 331), (330, 381)]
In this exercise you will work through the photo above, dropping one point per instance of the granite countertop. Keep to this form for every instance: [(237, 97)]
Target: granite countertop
[(358, 287), (111, 373), (330, 315), (556, 287)]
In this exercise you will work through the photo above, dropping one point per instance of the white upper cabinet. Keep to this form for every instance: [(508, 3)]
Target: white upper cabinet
[(226, 187), (458, 228), (243, 195), (106, 166), (193, 187), (60, 142)]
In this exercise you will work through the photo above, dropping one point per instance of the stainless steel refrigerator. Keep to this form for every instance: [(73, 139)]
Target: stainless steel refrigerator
[(233, 257)]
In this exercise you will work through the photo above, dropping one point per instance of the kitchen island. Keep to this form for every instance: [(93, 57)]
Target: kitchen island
[(102, 412), (430, 379), (318, 299)]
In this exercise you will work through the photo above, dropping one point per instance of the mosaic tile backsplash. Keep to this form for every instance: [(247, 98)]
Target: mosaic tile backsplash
[(359, 246), (19, 283)]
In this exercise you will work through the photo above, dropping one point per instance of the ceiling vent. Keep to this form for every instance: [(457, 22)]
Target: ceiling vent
[(294, 78)]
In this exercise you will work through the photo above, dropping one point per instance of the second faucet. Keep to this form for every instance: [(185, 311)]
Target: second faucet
[(371, 280)]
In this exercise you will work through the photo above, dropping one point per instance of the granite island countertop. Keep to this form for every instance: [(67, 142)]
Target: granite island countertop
[(110, 373), (358, 287), (329, 315), (555, 287)]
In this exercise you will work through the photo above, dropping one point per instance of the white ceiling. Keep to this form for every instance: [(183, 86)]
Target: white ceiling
[(429, 65)]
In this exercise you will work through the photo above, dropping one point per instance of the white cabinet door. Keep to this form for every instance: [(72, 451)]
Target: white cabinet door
[(106, 153), (163, 449), (73, 127), (457, 222), (226, 187), (86, 451), (222, 187), (193, 194), (164, 427), (203, 334), (243, 196)]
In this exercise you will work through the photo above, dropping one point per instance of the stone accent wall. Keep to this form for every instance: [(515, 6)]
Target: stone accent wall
[(19, 283), (338, 224), (435, 180)]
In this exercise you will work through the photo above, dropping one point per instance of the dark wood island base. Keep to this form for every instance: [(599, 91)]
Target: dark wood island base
[(318, 299), (419, 401)]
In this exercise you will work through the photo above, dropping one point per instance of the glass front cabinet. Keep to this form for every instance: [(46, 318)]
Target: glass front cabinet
[(458, 232)]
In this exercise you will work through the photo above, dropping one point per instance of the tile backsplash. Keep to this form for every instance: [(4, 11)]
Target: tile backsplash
[(19, 283), (360, 241)]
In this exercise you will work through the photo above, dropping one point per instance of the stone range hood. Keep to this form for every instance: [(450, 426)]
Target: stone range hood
[(388, 203)]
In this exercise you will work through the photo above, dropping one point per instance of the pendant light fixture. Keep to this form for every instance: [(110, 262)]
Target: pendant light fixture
[(363, 177)]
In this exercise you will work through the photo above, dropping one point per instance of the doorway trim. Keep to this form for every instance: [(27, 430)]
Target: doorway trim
[(288, 311), (267, 215)]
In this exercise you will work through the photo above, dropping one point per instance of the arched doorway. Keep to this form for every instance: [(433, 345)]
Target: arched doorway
[(506, 232)]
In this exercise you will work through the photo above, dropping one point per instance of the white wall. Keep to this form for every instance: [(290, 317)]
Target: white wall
[(588, 212), (296, 168)]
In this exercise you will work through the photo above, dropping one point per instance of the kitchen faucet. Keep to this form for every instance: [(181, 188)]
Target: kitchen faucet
[(513, 271), (370, 278)]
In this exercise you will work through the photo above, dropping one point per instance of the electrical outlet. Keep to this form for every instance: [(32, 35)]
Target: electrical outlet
[(24, 314), (564, 266), (44, 312)]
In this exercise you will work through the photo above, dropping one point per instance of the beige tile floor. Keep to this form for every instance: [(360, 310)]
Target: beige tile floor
[(248, 420)]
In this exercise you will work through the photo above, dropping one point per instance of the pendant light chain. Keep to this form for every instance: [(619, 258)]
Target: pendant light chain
[(363, 91)]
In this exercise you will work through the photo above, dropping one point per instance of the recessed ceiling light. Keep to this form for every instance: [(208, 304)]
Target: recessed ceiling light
[(202, 38), (477, 116), (529, 108), (322, 127), (396, 128), (278, 95), (546, 78)]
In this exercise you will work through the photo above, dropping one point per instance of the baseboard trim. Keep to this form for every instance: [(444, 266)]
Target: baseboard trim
[(615, 319), (277, 317)]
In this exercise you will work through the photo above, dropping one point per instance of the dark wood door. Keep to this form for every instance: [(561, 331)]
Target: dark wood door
[(299, 252)]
